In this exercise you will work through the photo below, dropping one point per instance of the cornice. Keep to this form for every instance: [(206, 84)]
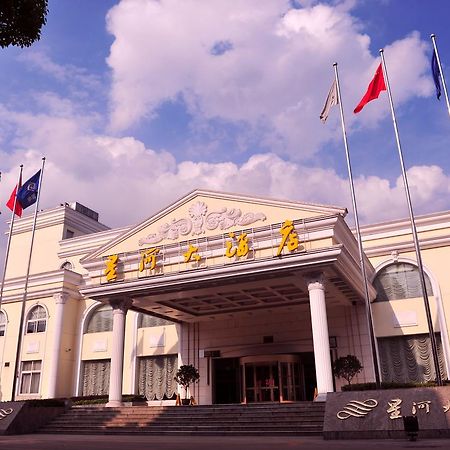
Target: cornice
[(308, 259), (88, 243), (426, 222), (331, 210), (56, 216), (256, 200), (38, 285), (425, 244), (313, 229)]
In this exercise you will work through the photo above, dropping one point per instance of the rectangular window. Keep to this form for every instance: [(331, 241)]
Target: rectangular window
[(30, 377)]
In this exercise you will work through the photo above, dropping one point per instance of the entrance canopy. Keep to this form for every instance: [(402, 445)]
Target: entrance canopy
[(211, 254)]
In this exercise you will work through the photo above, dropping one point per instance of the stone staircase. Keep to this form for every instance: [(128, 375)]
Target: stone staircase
[(293, 419)]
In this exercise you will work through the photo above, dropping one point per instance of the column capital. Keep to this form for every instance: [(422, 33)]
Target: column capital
[(121, 304), (60, 297), (315, 281)]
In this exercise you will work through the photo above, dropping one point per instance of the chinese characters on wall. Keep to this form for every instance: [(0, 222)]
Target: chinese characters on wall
[(237, 247), (395, 408)]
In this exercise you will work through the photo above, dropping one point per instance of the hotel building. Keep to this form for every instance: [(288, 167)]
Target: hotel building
[(260, 295)]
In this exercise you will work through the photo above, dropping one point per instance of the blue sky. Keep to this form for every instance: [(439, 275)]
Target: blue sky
[(137, 102)]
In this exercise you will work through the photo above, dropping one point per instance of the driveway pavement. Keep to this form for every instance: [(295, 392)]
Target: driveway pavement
[(89, 442)]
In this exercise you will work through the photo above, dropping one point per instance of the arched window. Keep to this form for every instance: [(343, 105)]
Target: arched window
[(100, 320), (399, 281), (146, 320), (37, 320), (2, 323)]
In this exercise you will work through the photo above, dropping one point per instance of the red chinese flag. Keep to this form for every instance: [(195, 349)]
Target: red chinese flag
[(10, 203), (373, 91)]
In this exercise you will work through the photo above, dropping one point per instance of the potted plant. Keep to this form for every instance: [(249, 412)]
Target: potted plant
[(347, 367), (185, 376)]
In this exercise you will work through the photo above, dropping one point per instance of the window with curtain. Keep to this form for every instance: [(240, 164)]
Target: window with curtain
[(399, 281), (147, 320), (100, 320), (36, 320), (95, 377), (30, 377), (2, 323), (408, 358), (156, 377)]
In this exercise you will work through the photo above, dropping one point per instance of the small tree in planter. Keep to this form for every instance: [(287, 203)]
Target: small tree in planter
[(185, 376), (347, 367)]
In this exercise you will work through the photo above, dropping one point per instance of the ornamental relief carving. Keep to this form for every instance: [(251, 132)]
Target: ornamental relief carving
[(200, 220)]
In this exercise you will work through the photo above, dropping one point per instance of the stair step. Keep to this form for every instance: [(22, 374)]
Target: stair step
[(305, 418)]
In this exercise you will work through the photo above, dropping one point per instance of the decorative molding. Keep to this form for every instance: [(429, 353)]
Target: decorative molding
[(404, 319), (60, 297), (316, 281), (200, 220), (100, 346), (32, 347), (395, 255), (157, 339), (121, 305)]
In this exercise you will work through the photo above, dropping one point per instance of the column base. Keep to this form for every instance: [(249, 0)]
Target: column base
[(321, 397), (114, 404)]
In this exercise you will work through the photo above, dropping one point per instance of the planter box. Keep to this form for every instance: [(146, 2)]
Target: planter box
[(21, 418), (379, 414)]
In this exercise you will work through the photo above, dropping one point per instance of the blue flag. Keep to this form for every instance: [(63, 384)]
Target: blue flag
[(27, 194), (436, 74)]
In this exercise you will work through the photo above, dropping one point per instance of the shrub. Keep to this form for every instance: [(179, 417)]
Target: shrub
[(347, 367), (186, 375)]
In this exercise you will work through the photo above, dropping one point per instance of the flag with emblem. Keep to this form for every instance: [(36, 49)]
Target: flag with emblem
[(27, 194)]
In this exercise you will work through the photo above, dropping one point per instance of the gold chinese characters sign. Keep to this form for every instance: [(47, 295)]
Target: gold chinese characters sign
[(206, 252)]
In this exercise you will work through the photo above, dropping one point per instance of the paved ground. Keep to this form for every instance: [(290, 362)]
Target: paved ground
[(70, 442)]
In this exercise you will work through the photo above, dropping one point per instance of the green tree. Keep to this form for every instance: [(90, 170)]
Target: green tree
[(186, 375), (347, 367), (21, 21)]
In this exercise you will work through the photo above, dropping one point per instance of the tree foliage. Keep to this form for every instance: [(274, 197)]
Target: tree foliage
[(21, 21), (347, 367), (186, 375)]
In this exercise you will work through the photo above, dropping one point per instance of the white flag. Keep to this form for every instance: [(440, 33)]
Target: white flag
[(331, 100)]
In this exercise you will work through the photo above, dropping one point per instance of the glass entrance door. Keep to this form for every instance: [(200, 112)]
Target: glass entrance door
[(262, 382), (291, 382), (272, 381)]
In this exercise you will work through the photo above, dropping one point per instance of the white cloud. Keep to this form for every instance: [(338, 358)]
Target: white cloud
[(68, 74), (269, 67), (127, 182)]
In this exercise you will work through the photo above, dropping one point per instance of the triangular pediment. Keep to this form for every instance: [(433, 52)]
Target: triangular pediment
[(203, 214)]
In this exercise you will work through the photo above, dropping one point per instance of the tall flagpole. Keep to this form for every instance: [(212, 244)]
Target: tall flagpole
[(441, 73), (414, 232), (358, 234), (25, 289), (10, 235)]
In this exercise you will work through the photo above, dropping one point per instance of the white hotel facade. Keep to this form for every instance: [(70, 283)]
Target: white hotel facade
[(259, 294)]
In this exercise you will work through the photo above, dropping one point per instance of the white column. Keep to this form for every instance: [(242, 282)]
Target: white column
[(60, 300), (322, 359), (118, 338)]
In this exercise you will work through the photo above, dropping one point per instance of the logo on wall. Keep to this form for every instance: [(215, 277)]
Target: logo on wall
[(200, 220), (5, 412), (357, 409)]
